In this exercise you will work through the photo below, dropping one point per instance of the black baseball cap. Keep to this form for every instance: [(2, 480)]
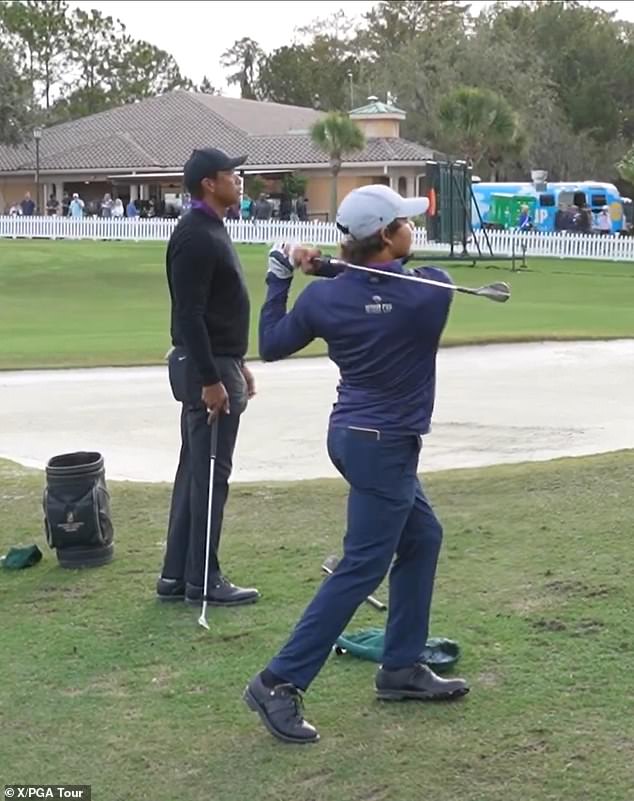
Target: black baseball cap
[(205, 162)]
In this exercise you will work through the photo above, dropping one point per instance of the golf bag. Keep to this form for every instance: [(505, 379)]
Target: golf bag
[(76, 505)]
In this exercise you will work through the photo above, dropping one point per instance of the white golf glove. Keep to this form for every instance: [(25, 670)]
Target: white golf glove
[(280, 264)]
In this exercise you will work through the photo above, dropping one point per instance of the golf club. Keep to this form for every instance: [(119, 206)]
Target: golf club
[(213, 446), (330, 565), (498, 291)]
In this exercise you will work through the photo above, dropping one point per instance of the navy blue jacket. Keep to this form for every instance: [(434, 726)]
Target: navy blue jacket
[(382, 333)]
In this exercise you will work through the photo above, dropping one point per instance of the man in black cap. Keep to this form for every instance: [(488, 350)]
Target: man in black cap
[(208, 376)]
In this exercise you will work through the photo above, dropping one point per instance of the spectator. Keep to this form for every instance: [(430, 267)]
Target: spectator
[(15, 210), (246, 207), (65, 203), (582, 219), (27, 206), (76, 207), (525, 222), (301, 208), (263, 208), (604, 223), (562, 218), (117, 209), (131, 210), (106, 206), (286, 207), (52, 206)]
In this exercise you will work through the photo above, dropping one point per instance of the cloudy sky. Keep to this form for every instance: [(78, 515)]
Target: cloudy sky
[(196, 33)]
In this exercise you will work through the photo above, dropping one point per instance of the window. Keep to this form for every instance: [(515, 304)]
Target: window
[(402, 186), (546, 200), (599, 200), (566, 199)]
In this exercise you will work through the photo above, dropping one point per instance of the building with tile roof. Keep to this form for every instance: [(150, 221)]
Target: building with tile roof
[(138, 150)]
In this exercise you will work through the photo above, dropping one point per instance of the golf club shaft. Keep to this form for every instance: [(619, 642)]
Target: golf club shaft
[(404, 277), (213, 444), (370, 599)]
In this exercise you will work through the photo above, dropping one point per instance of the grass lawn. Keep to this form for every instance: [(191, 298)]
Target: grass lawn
[(105, 303), (103, 686)]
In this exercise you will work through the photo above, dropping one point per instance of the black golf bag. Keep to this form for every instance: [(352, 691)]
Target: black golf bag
[(76, 504)]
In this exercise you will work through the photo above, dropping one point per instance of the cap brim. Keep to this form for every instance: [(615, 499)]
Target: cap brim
[(413, 206), (238, 161)]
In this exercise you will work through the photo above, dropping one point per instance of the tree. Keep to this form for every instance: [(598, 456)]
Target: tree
[(626, 166), (244, 55), (415, 50), (480, 123), (296, 75), (14, 106), (403, 21), (110, 68), (588, 56), (206, 87), (254, 185), (143, 70), (40, 31), (287, 75), (294, 184), (94, 51), (336, 135)]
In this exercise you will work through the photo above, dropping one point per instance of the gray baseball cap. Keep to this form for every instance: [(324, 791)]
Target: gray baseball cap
[(367, 210)]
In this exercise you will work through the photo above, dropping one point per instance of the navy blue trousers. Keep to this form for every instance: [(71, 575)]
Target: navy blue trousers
[(388, 515)]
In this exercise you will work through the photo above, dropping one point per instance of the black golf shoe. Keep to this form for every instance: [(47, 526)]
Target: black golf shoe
[(170, 589), (418, 682), (221, 592), (281, 710)]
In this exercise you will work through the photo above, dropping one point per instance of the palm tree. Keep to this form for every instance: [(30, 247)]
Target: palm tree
[(336, 135), (481, 124)]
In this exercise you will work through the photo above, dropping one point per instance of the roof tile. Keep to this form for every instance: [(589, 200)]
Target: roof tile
[(159, 134)]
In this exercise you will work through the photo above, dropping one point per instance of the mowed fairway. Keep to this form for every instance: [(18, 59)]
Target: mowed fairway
[(102, 685), (68, 303)]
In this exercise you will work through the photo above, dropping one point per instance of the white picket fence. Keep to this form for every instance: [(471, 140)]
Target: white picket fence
[(504, 243)]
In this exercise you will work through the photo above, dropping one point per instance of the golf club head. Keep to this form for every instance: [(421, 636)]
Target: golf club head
[(499, 291), (330, 564), (202, 620)]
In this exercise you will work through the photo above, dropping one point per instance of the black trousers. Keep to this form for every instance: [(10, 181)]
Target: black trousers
[(187, 528)]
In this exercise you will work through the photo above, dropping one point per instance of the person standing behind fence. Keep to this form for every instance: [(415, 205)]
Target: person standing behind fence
[(604, 223), (246, 207), (301, 209), (263, 208), (76, 207), (131, 210), (52, 206), (117, 209), (27, 205), (106, 206), (525, 222)]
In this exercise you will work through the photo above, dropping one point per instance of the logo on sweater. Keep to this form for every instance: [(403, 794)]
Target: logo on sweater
[(377, 306)]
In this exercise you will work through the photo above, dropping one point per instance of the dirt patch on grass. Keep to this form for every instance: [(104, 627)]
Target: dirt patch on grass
[(549, 625), (488, 679)]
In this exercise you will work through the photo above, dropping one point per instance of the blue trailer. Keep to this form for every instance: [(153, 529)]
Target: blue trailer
[(499, 203)]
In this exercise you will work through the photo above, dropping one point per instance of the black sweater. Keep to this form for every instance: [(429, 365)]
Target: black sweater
[(210, 303)]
